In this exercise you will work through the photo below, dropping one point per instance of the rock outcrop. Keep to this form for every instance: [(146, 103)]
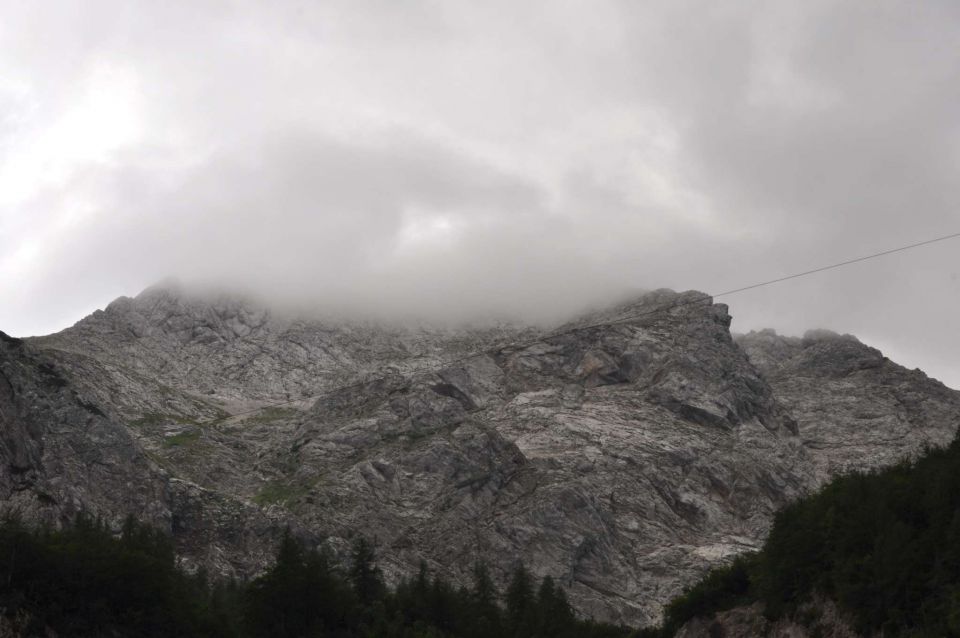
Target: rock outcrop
[(623, 454), (818, 618), (63, 453), (855, 409)]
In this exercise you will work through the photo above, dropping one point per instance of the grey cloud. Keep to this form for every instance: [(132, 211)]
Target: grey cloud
[(462, 159)]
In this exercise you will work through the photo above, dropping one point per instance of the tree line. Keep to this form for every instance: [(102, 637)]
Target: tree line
[(83, 580), (884, 546)]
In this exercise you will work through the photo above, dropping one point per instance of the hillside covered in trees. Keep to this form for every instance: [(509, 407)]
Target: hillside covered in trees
[(884, 547), (84, 581)]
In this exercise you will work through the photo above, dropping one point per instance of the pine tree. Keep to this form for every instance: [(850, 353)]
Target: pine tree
[(520, 603), (484, 598), (289, 555), (364, 574), (554, 615)]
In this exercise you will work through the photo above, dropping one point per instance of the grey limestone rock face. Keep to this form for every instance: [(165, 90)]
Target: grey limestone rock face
[(63, 453), (855, 409), (225, 350), (623, 453)]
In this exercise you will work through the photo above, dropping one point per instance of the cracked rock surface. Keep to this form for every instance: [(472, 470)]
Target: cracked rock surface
[(623, 453)]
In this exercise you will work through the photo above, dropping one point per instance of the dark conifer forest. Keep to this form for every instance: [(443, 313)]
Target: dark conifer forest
[(884, 546), (84, 581)]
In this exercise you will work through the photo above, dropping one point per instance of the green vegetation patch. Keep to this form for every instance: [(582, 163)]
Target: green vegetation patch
[(158, 418), (219, 414), (282, 493), (187, 437), (270, 414)]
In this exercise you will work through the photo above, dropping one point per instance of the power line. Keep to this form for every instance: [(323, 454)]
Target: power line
[(839, 264), (566, 331)]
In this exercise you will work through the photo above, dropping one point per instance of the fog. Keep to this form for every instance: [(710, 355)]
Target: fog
[(456, 161)]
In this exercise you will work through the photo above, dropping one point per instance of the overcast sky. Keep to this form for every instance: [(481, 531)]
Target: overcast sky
[(488, 158)]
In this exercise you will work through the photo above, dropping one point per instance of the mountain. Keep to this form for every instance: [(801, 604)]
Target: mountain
[(623, 453)]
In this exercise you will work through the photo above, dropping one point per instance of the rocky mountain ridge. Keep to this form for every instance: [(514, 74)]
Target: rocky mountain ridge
[(623, 454)]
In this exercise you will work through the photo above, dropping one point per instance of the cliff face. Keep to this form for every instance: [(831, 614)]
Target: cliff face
[(623, 459), (855, 408), (62, 452), (65, 451)]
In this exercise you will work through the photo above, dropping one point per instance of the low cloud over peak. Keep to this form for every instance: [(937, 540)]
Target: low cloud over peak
[(458, 160)]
